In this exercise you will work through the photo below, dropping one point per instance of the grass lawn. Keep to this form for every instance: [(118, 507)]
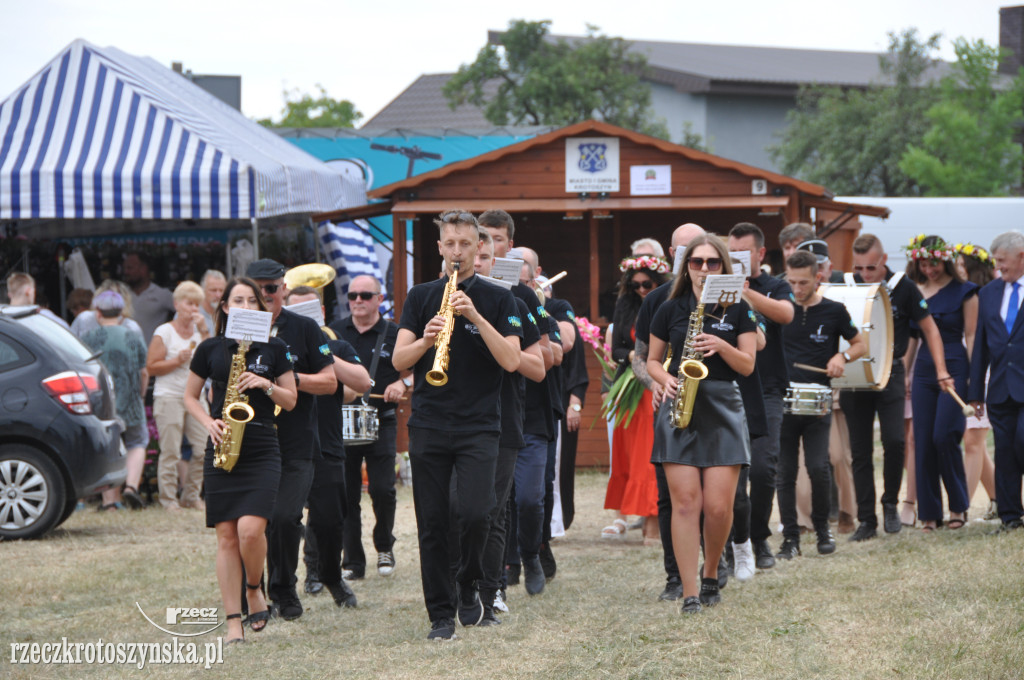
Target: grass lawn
[(946, 605)]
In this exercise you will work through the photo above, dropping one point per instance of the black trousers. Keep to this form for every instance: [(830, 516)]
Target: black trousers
[(860, 408), (567, 474), (325, 519), (814, 431), (285, 529), (380, 473), (494, 550), (764, 459), (435, 456)]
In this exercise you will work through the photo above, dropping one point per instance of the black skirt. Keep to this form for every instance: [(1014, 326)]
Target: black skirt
[(251, 486), (717, 433)]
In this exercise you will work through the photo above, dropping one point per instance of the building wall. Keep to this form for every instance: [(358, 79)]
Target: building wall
[(678, 108), (742, 127)]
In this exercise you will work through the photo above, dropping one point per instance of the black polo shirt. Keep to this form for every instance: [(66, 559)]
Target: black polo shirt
[(212, 360), (470, 400), (529, 296), (328, 406), (672, 320), (364, 344), (513, 387), (813, 338), (560, 310), (309, 352), (651, 303), (771, 361)]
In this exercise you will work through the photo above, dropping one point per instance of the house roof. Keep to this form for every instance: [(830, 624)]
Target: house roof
[(423, 105)]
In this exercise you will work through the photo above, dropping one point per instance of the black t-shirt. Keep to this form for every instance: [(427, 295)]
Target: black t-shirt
[(470, 400), (309, 352), (771, 361), (540, 315), (328, 406), (672, 320), (212, 360), (364, 344), (650, 305), (813, 338), (908, 304), (513, 387), (560, 310)]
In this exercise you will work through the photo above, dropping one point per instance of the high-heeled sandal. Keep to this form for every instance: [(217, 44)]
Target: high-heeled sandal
[(913, 514), (238, 639), (957, 522), (258, 617)]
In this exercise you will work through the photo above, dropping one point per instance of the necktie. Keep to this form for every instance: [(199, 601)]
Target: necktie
[(1011, 310)]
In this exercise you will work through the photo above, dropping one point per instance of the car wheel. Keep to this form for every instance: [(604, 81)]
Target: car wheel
[(32, 492)]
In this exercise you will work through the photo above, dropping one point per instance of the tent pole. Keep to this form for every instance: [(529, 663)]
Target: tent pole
[(316, 239), (255, 237), (227, 256)]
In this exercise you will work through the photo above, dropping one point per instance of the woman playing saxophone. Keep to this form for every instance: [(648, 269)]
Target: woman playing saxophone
[(702, 462), (239, 502)]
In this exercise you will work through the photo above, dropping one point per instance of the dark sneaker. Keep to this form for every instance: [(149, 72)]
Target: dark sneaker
[(489, 618), (547, 560), (865, 532), (131, 497), (342, 594), (386, 563), (289, 610), (709, 592), (790, 549), (471, 609), (313, 585), (763, 557), (891, 518), (352, 574), (691, 605), (1012, 524), (826, 542), (441, 630), (533, 575), (673, 591), (512, 573)]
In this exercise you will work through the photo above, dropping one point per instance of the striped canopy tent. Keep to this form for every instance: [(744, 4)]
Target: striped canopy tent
[(101, 141)]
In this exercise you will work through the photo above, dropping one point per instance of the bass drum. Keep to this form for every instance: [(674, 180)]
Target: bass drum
[(358, 424), (871, 311)]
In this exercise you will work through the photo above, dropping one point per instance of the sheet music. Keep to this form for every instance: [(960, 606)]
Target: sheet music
[(248, 324), (723, 289), (740, 261), (506, 269), (507, 285), (677, 261), (311, 309)]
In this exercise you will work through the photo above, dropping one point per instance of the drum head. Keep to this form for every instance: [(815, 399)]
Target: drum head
[(871, 311)]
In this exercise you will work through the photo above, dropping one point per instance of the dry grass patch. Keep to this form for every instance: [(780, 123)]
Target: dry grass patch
[(946, 605)]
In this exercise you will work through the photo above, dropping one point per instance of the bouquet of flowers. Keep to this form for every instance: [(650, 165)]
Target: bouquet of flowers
[(625, 393)]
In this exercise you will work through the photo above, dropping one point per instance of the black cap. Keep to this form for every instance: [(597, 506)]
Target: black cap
[(818, 247), (265, 269)]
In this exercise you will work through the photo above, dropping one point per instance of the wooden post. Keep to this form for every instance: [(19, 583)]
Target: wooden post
[(595, 270), (398, 267)]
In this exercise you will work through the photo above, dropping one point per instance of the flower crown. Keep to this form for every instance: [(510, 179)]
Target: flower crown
[(653, 262), (971, 250), (940, 250)]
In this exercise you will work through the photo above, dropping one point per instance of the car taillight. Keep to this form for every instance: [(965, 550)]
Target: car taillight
[(72, 390)]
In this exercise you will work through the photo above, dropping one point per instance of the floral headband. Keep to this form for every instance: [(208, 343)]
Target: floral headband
[(940, 250), (653, 262), (971, 250)]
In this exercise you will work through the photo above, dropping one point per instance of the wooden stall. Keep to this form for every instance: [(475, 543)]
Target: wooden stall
[(580, 195)]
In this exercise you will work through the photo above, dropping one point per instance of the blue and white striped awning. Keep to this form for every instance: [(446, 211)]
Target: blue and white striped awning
[(348, 247), (100, 134)]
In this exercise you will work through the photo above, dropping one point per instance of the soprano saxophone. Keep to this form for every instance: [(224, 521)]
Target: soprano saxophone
[(691, 371), (236, 414), (437, 375)]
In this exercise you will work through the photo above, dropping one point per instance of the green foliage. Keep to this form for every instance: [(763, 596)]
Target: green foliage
[(694, 140), (305, 111), (852, 140), (541, 81), (969, 149)]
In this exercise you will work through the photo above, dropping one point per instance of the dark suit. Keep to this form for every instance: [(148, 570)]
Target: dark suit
[(1003, 353)]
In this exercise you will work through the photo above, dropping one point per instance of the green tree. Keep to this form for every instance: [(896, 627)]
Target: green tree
[(536, 80), (305, 111), (852, 140), (970, 149)]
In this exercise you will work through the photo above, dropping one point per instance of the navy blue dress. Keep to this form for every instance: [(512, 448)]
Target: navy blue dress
[(939, 422)]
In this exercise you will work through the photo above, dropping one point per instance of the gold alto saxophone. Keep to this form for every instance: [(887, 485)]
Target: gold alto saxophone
[(437, 375), (691, 371), (236, 414)]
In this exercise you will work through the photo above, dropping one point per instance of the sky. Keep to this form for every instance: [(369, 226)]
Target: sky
[(369, 53)]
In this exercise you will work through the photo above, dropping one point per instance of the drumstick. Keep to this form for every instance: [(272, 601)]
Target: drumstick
[(967, 408), (381, 396), (555, 279), (808, 367)]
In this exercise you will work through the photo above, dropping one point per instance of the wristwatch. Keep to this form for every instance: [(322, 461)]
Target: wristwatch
[(407, 382), (576, 407), (270, 390), (846, 357)]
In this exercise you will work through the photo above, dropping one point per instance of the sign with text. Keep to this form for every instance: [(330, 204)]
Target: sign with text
[(248, 324), (311, 309), (591, 164), (723, 289), (650, 180)]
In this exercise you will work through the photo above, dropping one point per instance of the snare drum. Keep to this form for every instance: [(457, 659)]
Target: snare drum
[(871, 311), (358, 424), (808, 399)]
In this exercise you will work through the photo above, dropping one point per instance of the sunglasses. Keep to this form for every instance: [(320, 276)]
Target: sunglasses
[(637, 285), (364, 295), (458, 217), (713, 263), (270, 288), (867, 267)]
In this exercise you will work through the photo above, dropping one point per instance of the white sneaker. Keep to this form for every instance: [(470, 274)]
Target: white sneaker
[(499, 602), (743, 555), (385, 563)]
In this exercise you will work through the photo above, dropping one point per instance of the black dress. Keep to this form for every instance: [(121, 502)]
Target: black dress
[(717, 433), (251, 486)]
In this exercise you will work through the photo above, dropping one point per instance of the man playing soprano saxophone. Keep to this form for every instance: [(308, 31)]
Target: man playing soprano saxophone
[(455, 427)]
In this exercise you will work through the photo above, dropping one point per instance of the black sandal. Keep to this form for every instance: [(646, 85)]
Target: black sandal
[(258, 617), (234, 640)]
